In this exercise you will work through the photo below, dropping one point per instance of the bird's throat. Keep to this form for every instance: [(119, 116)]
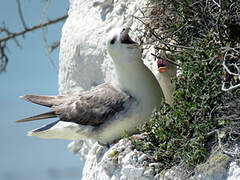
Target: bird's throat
[(136, 78)]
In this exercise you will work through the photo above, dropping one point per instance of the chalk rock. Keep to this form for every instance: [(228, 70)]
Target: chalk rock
[(118, 162), (84, 62)]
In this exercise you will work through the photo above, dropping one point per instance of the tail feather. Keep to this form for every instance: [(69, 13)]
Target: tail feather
[(48, 101), (47, 115)]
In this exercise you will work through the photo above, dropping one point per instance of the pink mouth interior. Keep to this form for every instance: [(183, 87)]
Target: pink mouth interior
[(161, 63), (127, 40)]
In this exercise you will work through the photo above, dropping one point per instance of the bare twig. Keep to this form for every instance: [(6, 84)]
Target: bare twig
[(165, 58), (3, 57), (153, 33), (234, 65), (48, 52), (232, 69), (21, 14), (224, 88), (231, 153), (5, 30), (53, 46), (15, 34), (160, 39)]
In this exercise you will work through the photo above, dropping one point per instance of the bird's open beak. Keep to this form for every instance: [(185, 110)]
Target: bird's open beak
[(125, 39), (162, 69), (162, 65)]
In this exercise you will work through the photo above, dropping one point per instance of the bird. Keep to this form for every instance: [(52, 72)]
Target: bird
[(104, 112), (166, 71)]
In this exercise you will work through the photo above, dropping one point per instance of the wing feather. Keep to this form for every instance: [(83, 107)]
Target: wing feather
[(48, 101), (86, 108), (95, 107), (38, 117)]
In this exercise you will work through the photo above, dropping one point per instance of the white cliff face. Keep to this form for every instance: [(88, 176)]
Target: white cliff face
[(118, 162), (84, 62)]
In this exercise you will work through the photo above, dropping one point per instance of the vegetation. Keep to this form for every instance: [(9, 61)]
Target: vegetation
[(204, 36)]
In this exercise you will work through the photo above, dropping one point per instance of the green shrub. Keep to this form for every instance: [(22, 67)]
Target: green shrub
[(187, 130)]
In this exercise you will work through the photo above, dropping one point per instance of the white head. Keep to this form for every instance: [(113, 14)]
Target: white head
[(121, 47), (166, 67)]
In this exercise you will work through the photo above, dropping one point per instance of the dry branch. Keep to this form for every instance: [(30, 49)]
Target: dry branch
[(48, 51), (14, 35), (21, 14), (52, 21)]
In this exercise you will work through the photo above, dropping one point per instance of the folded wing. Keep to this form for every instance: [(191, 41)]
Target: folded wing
[(86, 108)]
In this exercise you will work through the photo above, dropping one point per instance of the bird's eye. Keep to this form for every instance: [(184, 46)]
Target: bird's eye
[(123, 29), (113, 41)]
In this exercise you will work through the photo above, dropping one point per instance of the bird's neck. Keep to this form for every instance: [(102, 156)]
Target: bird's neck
[(164, 80), (136, 77), (128, 72)]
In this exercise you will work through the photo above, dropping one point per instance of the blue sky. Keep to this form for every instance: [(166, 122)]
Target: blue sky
[(30, 72)]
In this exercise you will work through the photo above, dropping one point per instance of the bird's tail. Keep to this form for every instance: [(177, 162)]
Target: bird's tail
[(55, 130), (60, 130), (48, 101), (47, 115)]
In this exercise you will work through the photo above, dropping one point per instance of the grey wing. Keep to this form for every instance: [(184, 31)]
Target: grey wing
[(95, 106), (86, 108)]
